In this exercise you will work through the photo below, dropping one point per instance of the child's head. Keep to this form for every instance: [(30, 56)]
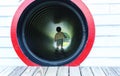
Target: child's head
[(58, 29)]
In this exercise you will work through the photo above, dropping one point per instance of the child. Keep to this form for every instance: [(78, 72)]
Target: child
[(59, 36)]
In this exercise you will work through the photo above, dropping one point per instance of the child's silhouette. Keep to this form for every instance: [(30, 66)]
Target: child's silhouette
[(59, 36)]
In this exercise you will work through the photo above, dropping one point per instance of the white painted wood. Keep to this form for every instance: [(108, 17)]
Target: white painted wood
[(7, 52), (108, 30), (117, 70), (2, 68), (85, 71), (114, 9), (29, 71), (101, 1), (101, 61), (4, 31), (109, 72), (52, 71), (11, 62), (107, 41), (45, 68), (38, 72), (75, 71), (106, 19), (105, 52), (10, 2), (99, 9), (4, 10), (63, 71), (5, 42), (5, 21), (18, 71), (7, 71), (97, 71)]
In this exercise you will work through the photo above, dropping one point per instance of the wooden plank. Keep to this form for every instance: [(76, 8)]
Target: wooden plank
[(107, 41), (101, 1), (29, 71), (114, 8), (101, 61), (5, 21), (8, 52), (38, 72), (104, 52), (52, 71), (103, 8), (5, 31), (117, 70), (63, 71), (97, 71), (10, 2), (2, 68), (7, 71), (44, 69), (11, 62), (5, 42), (106, 19), (4, 11), (109, 72), (18, 71), (108, 30), (85, 71), (75, 71)]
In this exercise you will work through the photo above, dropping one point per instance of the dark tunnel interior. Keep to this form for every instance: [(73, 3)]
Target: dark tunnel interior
[(39, 29)]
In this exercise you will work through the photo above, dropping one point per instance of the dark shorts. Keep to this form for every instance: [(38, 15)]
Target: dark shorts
[(60, 42)]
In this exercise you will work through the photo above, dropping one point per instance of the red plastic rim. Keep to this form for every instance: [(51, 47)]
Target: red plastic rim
[(84, 53)]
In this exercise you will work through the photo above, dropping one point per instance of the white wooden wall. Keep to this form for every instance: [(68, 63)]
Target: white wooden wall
[(106, 49)]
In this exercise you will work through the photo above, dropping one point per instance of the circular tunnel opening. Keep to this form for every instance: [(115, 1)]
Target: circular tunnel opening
[(40, 39)]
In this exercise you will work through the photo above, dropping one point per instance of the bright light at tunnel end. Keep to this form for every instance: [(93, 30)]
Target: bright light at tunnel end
[(65, 45)]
